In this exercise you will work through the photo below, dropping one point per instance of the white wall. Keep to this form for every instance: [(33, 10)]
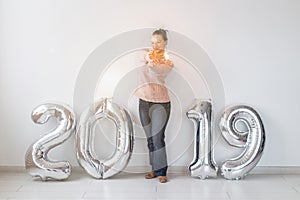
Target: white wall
[(254, 45)]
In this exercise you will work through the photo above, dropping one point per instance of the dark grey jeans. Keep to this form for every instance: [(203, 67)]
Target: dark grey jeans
[(154, 118)]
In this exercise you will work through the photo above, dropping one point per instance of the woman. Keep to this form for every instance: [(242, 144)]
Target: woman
[(154, 103)]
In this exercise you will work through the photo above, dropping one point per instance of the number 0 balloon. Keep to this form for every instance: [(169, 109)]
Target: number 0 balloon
[(85, 137), (252, 139)]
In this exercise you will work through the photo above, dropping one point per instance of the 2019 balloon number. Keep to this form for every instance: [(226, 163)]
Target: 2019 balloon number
[(203, 165)]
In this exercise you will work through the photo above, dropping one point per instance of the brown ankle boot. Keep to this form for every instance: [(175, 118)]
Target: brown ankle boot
[(162, 179), (150, 175)]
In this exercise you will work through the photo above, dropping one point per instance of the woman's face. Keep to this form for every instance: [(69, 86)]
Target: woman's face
[(158, 42)]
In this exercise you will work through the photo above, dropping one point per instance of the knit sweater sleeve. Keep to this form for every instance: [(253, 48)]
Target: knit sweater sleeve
[(162, 69)]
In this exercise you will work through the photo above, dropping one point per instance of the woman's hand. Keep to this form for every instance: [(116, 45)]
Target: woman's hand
[(155, 57), (169, 62)]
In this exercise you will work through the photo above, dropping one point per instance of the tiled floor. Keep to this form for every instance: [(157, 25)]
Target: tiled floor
[(133, 186)]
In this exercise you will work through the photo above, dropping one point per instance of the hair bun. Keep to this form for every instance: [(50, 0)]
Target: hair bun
[(162, 32)]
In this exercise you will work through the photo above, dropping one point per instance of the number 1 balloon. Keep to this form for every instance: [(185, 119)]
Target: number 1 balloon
[(253, 140), (203, 165), (36, 161)]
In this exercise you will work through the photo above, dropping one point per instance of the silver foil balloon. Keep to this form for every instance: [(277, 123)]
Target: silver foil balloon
[(36, 160), (203, 165), (86, 157), (252, 140)]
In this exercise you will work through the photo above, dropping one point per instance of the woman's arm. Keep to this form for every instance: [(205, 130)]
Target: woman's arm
[(153, 57)]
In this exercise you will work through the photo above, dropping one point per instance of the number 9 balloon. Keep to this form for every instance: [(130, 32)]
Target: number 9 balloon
[(253, 140), (36, 161)]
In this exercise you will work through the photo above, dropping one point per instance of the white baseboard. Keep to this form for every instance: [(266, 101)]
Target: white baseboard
[(276, 170), (177, 169), (257, 170)]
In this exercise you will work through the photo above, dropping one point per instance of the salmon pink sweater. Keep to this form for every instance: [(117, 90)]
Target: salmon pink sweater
[(152, 80)]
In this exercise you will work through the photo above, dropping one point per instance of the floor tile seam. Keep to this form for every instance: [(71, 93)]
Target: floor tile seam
[(290, 184), (228, 195), (19, 188)]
